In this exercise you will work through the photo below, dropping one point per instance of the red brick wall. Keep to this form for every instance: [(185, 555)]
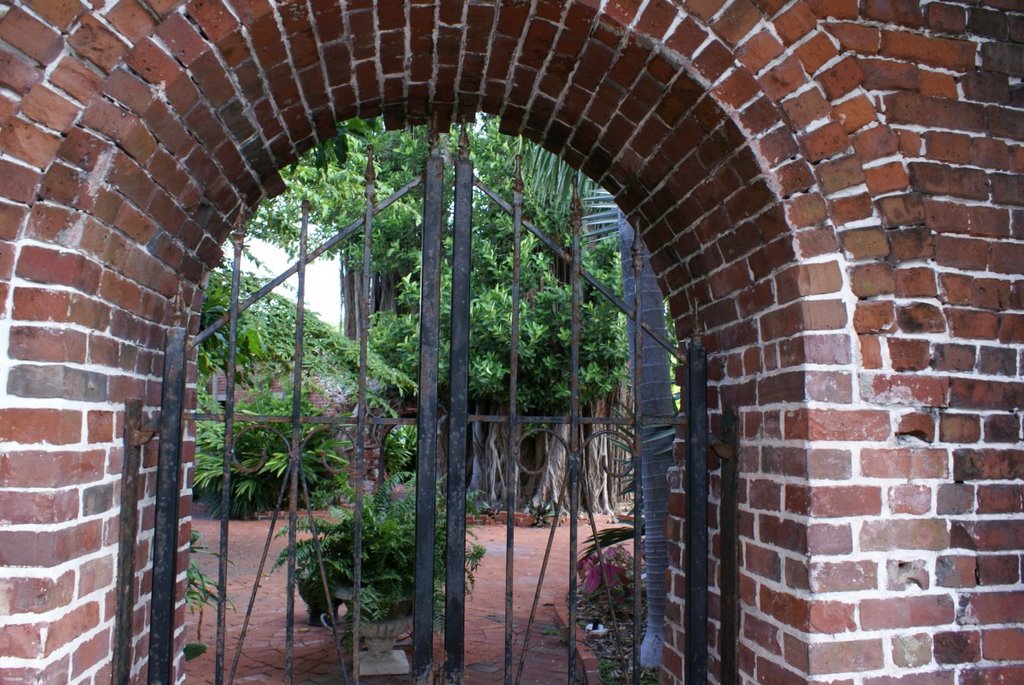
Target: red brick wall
[(831, 190)]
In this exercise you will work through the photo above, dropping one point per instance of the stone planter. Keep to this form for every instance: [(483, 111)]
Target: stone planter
[(380, 657)]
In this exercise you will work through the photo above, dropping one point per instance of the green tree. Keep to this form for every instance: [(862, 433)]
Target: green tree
[(335, 186)]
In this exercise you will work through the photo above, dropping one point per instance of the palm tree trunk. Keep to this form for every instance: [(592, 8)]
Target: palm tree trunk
[(655, 396)]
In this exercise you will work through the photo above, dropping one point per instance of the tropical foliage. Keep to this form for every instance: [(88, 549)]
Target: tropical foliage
[(265, 356), (333, 180), (388, 554)]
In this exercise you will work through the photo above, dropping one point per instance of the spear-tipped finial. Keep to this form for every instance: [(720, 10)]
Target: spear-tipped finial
[(463, 142), (576, 207), (371, 174), (238, 233), (695, 312)]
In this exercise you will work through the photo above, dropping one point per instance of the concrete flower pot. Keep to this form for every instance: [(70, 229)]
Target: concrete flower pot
[(380, 657)]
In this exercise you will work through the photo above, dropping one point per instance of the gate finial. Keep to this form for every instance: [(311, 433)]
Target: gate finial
[(238, 234), (517, 183), (576, 208), (370, 176), (463, 142)]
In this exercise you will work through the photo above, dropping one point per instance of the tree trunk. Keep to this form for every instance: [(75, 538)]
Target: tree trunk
[(350, 286), (655, 396)]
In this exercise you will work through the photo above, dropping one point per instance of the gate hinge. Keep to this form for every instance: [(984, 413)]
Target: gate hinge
[(137, 437)]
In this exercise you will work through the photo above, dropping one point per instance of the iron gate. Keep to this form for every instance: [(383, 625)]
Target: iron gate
[(458, 419)]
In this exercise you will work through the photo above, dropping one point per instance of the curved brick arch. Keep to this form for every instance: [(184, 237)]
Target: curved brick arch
[(836, 186)]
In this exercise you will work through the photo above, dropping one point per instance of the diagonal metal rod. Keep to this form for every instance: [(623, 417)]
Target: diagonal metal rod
[(616, 633), (259, 576), (294, 268), (559, 503), (566, 257)]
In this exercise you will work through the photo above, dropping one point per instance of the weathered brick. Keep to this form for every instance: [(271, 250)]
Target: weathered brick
[(904, 463), (31, 426), (1003, 644), (904, 534), (994, 607), (957, 647), (988, 464), (845, 656)]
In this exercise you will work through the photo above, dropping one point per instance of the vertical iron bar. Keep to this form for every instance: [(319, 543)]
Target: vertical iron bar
[(458, 413), (696, 607), (168, 492), (728, 584), (638, 446), (427, 410), (574, 420), (295, 448), (129, 524), (229, 452), (362, 407), (511, 475)]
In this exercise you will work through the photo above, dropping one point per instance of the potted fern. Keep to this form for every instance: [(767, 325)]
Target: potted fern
[(388, 566)]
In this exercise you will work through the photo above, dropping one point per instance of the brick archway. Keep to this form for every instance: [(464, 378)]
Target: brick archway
[(835, 189)]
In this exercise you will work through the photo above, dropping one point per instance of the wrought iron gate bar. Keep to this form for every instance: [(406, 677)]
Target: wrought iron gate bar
[(427, 413), (728, 530), (134, 438), (553, 245), (294, 268), (165, 525), (576, 219), (695, 620), (458, 413), (513, 419)]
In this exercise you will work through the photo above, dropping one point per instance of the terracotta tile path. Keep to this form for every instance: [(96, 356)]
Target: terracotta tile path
[(263, 657)]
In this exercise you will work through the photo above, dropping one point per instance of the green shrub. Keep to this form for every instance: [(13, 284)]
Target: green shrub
[(388, 553), (262, 457)]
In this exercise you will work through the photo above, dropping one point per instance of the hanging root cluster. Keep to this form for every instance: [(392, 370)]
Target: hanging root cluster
[(542, 465)]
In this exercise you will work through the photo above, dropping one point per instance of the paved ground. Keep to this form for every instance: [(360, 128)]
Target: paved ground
[(263, 654)]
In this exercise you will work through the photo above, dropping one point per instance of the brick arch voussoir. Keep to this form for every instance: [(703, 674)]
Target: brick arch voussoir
[(759, 67), (798, 93), (164, 101)]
